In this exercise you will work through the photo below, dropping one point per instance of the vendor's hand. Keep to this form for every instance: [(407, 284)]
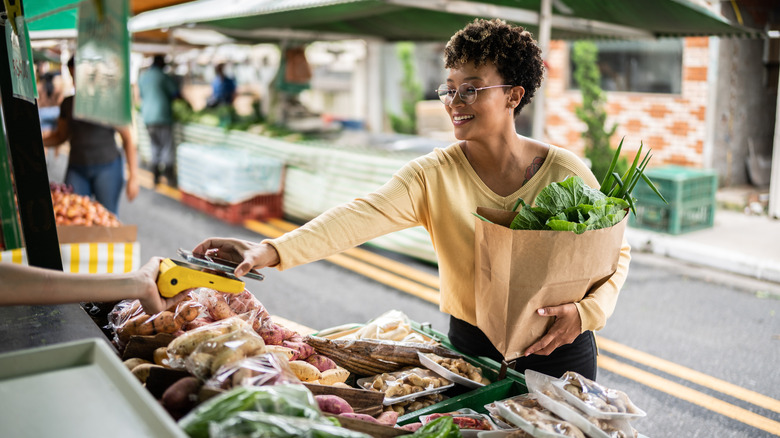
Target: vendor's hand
[(132, 187), (564, 330), (149, 294), (248, 255)]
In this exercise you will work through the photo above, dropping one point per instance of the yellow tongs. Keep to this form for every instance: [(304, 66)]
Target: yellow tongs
[(199, 270)]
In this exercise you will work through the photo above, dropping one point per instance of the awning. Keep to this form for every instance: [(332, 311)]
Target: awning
[(437, 20)]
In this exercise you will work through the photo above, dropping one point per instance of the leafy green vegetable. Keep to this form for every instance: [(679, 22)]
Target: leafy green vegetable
[(570, 205), (442, 427), (290, 400), (262, 424)]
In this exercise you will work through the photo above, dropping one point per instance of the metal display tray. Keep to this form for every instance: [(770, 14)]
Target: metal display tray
[(80, 389)]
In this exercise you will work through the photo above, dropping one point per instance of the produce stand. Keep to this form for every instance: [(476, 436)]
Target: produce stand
[(91, 249), (47, 342)]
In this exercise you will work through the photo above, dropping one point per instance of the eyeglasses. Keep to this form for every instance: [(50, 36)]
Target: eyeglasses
[(466, 92)]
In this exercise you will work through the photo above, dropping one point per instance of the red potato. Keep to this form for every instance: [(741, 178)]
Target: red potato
[(304, 350), (388, 418), (323, 363), (363, 417), (333, 404), (182, 395)]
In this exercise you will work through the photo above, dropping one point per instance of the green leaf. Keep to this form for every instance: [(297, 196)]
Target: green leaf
[(529, 218), (562, 225), (655, 189), (518, 203), (606, 181), (570, 192)]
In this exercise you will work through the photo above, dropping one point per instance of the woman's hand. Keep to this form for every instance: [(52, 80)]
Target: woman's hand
[(248, 255), (149, 294), (564, 330), (132, 187)]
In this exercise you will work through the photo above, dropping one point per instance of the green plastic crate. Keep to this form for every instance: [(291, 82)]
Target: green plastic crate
[(475, 399), (691, 200), (489, 366)]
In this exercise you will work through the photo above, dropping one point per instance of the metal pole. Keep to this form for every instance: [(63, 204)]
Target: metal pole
[(28, 162), (774, 180), (545, 22)]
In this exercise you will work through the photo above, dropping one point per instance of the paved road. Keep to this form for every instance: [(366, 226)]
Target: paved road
[(698, 350)]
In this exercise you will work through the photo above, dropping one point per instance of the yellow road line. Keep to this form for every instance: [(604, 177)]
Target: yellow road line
[(425, 278), (688, 374), (365, 269), (690, 395)]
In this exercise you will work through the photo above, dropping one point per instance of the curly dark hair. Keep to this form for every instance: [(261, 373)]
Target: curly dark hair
[(511, 48)]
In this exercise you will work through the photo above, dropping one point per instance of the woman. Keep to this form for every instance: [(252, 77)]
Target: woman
[(95, 166), (494, 70), (26, 285)]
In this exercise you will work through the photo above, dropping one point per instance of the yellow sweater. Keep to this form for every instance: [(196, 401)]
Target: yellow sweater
[(440, 191)]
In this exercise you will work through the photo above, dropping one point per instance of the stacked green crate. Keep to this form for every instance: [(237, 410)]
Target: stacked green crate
[(691, 196)]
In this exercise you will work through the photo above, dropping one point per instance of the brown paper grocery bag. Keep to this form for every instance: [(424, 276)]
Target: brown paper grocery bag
[(519, 271)]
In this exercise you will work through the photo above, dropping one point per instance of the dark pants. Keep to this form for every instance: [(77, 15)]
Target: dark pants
[(579, 356), (163, 152)]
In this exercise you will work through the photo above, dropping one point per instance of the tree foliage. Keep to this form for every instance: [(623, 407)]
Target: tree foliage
[(592, 112), (411, 92)]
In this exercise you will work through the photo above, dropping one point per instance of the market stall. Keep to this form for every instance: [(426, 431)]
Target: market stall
[(216, 364)]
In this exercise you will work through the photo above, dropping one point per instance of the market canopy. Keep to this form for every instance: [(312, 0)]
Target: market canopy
[(436, 20), (57, 18)]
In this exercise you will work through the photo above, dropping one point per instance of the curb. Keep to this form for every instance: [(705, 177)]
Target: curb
[(703, 255)]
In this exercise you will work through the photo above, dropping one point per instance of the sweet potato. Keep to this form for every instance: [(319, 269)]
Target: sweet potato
[(304, 371), (388, 418), (333, 404), (164, 322), (160, 356), (197, 323), (220, 308), (363, 417), (334, 376), (132, 326), (280, 351), (186, 312), (412, 427), (287, 333), (304, 350), (182, 395), (134, 362), (272, 334), (323, 363), (141, 372)]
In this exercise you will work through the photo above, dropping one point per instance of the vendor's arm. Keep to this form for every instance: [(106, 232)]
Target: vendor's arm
[(131, 156), (25, 285), (58, 135), (390, 208)]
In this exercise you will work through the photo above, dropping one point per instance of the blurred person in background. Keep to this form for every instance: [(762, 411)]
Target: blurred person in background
[(95, 165), (157, 91), (223, 88), (50, 94)]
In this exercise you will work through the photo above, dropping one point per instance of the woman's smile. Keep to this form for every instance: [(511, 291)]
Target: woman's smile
[(460, 119)]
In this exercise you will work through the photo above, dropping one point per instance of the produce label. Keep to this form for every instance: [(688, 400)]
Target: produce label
[(19, 59), (103, 64)]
